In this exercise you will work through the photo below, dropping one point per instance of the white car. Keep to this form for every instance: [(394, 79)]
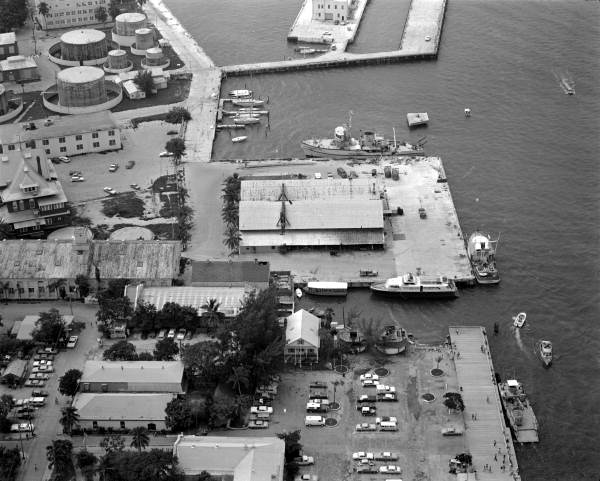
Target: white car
[(258, 424), (64, 159), (77, 178), (370, 383), (386, 419), (366, 427), (362, 455), (72, 342), (113, 167), (386, 456), (165, 154), (318, 175), (181, 335), (369, 375), (110, 190), (171, 334), (261, 409), (390, 469), (23, 427)]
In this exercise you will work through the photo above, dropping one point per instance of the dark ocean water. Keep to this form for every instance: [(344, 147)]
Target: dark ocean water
[(526, 164)]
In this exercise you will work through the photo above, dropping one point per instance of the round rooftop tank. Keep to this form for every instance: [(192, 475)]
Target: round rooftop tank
[(117, 59), (154, 56), (81, 87), (127, 23), (86, 44), (144, 38)]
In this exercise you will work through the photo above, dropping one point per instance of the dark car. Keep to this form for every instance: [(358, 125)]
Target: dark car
[(130, 164)]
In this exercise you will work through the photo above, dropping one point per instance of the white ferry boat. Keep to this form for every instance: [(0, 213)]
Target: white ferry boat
[(327, 288), (410, 286)]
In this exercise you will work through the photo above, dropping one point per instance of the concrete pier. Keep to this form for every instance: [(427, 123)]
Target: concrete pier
[(487, 437), (420, 40)]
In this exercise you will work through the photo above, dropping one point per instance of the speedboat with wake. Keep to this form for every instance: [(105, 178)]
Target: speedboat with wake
[(545, 350), (519, 320)]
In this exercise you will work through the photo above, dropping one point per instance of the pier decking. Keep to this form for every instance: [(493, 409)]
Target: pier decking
[(420, 40), (488, 439)]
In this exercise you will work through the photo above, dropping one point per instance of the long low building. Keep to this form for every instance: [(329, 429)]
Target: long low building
[(122, 410), (310, 213)]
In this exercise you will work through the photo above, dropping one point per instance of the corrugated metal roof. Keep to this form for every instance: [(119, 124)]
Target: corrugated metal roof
[(312, 214), (229, 271), (122, 406), (309, 189), (302, 325), (160, 373), (313, 238)]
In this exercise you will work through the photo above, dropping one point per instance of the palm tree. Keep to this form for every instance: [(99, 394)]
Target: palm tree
[(230, 213), (211, 314), (232, 240), (59, 456), (239, 376), (177, 147), (140, 439), (69, 418), (43, 10)]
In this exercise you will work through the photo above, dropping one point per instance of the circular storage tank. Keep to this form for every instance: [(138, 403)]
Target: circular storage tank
[(86, 44), (132, 233), (154, 56), (144, 39), (68, 233), (3, 100), (81, 87), (117, 59), (127, 23)]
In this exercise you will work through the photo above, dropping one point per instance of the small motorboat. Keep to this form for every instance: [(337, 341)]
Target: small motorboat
[(545, 349), (467, 112), (246, 120), (241, 138), (299, 293), (241, 102), (240, 94), (519, 320)]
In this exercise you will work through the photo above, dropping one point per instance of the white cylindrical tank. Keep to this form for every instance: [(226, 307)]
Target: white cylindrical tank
[(154, 57), (85, 44), (127, 23), (117, 59), (144, 39), (81, 87)]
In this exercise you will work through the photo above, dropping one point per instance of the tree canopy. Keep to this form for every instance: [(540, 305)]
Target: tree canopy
[(179, 415), (454, 401), (114, 9), (10, 460), (49, 328), (177, 115), (113, 443), (13, 14), (145, 82), (101, 14), (69, 382), (60, 459), (176, 146), (166, 350), (152, 465), (86, 461), (121, 351)]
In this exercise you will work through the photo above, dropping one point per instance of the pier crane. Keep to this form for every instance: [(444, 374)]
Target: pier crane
[(283, 221)]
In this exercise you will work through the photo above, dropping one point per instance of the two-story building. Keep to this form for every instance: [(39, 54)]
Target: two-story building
[(32, 201), (330, 10), (71, 13), (128, 394), (8, 45), (302, 340), (64, 135)]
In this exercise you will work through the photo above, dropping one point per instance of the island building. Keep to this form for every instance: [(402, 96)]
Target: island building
[(32, 200), (331, 10), (69, 13), (40, 269), (231, 458), (65, 135), (302, 338), (19, 69), (319, 213), (80, 47), (82, 90), (8, 45), (128, 394)]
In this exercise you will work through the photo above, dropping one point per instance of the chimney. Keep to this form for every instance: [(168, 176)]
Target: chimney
[(39, 165)]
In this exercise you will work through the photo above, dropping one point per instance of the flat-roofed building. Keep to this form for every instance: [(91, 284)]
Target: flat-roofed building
[(65, 135), (231, 458), (19, 69), (132, 376), (302, 338), (230, 274), (8, 45), (310, 213), (122, 410), (40, 269), (230, 299), (32, 200), (332, 10), (67, 14)]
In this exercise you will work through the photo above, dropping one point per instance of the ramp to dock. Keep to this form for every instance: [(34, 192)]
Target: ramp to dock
[(487, 437)]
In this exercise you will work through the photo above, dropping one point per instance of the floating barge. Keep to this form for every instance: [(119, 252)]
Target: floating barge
[(416, 119)]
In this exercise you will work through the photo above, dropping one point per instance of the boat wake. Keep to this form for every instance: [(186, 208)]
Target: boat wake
[(518, 339), (565, 81)]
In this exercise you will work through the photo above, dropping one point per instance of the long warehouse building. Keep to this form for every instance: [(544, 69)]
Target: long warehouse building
[(326, 213)]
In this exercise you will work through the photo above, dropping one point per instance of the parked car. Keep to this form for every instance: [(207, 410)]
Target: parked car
[(113, 167), (368, 469), (165, 154), (64, 159), (74, 172), (386, 456), (258, 424), (370, 383), (386, 419), (304, 460), (130, 164), (318, 385), (261, 409), (39, 393), (318, 175), (47, 368), (360, 406), (390, 469), (34, 383), (451, 431), (307, 477), (368, 411), (366, 427), (181, 335), (110, 190), (369, 375), (388, 396), (161, 334), (362, 455), (22, 427), (367, 398), (72, 342), (77, 178), (188, 335), (171, 334), (40, 375), (134, 186), (152, 334)]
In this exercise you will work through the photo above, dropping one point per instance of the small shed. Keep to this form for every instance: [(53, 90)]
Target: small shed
[(133, 91)]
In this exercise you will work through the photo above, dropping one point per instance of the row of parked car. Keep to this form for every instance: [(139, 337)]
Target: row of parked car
[(366, 463), (366, 404), (26, 409), (262, 408), (177, 335)]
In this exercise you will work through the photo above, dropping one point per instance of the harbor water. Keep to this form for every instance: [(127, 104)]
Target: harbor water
[(524, 165)]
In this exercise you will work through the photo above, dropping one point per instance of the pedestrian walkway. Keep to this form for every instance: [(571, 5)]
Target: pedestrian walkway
[(488, 438)]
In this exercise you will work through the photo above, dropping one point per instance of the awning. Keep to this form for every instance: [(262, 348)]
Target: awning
[(30, 223)]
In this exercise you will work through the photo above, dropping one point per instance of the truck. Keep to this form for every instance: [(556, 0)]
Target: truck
[(304, 460)]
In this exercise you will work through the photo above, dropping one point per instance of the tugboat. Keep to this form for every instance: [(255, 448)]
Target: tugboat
[(482, 254), (392, 340), (410, 286), (519, 412), (545, 350), (370, 144)]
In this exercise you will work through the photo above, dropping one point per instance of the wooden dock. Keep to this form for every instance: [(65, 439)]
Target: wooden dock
[(487, 437), (420, 41)]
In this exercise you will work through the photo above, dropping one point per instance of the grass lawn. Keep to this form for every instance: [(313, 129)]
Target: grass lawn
[(124, 205)]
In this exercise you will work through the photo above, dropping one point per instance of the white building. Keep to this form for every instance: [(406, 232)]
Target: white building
[(302, 338), (330, 10), (65, 135), (132, 91)]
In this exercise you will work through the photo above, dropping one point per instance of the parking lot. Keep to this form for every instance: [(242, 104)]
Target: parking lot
[(142, 145), (421, 449)]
